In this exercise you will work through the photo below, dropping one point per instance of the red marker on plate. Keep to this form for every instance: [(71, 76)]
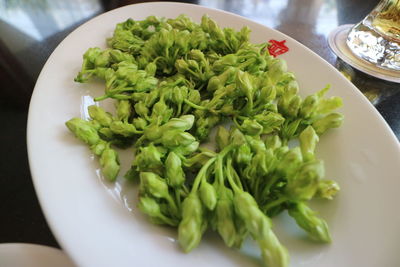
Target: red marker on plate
[(277, 48)]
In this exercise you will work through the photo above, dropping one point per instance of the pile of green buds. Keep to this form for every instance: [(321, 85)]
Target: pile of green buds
[(173, 82)]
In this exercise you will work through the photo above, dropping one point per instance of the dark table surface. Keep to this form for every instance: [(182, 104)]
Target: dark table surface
[(31, 29)]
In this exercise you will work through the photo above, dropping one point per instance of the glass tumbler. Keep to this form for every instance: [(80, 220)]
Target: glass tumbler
[(376, 38)]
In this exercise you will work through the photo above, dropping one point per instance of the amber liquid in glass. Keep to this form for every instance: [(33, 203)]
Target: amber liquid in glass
[(387, 19), (376, 39)]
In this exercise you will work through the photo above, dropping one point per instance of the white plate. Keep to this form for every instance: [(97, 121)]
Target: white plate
[(99, 225), (31, 255)]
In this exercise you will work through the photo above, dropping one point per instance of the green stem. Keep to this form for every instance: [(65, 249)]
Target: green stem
[(201, 173), (249, 105), (184, 191), (274, 203), (236, 176), (179, 109), (167, 220), (100, 98), (236, 123), (269, 184), (173, 205), (193, 105), (219, 170), (229, 176)]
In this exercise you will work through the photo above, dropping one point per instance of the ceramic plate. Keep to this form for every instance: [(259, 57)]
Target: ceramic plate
[(99, 225)]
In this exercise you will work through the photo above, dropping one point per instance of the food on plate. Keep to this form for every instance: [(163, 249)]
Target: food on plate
[(178, 85)]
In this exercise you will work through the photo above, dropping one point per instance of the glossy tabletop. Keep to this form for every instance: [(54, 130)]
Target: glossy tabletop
[(31, 29)]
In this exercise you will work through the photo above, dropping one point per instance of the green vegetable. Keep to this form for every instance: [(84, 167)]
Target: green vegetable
[(173, 81), (306, 218), (192, 226), (83, 130), (109, 164)]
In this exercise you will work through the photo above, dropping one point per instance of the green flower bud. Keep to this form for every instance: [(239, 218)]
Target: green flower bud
[(228, 110), (332, 120), (188, 149), (95, 124), (222, 137), (304, 184), (152, 132), (225, 217), (109, 164), (309, 106), (328, 105), (177, 138), (198, 160), (289, 129), (270, 121), (151, 69), (290, 162), (246, 208), (181, 66), (258, 166), (214, 84), (276, 69), (179, 94), (154, 185), (237, 138), (208, 195), (150, 207), (182, 40), (92, 53), (159, 108), (139, 97), (273, 142), (149, 158), (223, 64), (308, 141), (83, 130), (243, 83), (141, 109), (268, 93), (193, 65), (190, 229), (123, 110), (294, 105), (118, 56), (174, 172), (146, 84), (165, 39), (256, 144), (252, 127), (197, 55), (214, 30), (327, 189), (306, 218), (106, 133), (98, 148), (243, 154), (194, 96), (102, 60), (139, 123), (183, 123), (100, 115), (123, 128), (259, 226)]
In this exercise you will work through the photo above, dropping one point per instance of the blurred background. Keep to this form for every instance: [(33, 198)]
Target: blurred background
[(31, 29)]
